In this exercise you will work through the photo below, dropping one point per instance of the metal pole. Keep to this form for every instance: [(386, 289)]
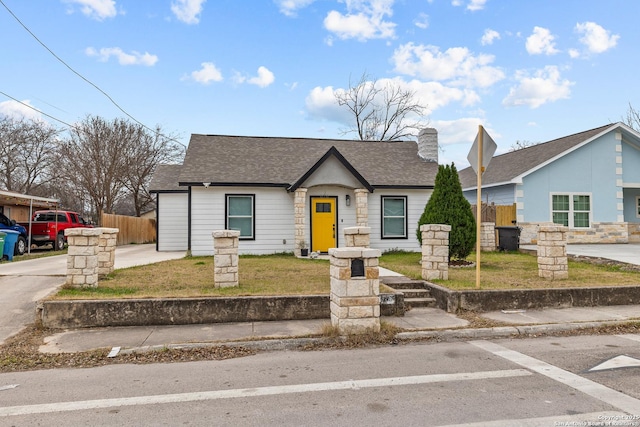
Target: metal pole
[(479, 205)]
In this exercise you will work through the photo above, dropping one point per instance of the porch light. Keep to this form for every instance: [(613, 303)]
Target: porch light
[(348, 200)]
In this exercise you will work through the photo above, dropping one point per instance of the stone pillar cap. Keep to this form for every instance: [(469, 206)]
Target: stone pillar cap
[(355, 252), (226, 233), (357, 230), (82, 232)]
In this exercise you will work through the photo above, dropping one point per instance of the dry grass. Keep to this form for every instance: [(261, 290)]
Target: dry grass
[(515, 271), (193, 277), (284, 274)]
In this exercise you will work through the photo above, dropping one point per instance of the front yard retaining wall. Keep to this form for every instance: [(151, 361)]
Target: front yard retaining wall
[(524, 299), (62, 314)]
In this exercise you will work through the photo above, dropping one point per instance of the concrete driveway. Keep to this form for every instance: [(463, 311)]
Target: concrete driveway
[(23, 283), (626, 252)]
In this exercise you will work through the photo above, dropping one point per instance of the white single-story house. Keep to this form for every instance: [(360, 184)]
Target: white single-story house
[(284, 194), (588, 181)]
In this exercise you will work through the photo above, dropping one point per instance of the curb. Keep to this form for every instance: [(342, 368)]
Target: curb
[(280, 344)]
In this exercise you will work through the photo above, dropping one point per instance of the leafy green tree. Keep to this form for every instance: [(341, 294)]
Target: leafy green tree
[(447, 205)]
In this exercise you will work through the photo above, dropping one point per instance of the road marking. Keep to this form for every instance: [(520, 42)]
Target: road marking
[(255, 392), (591, 388), (616, 363), (588, 419), (632, 337)]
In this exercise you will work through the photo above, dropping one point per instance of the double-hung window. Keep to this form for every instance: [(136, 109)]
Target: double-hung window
[(571, 210), (240, 209), (394, 217)]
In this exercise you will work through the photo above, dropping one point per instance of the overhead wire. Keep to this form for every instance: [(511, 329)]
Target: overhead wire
[(82, 77)]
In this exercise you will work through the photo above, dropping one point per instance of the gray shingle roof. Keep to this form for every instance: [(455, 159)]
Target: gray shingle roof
[(165, 178), (242, 160), (505, 167)]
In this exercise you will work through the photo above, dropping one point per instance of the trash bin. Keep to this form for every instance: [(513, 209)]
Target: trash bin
[(2, 236), (10, 240), (508, 238)]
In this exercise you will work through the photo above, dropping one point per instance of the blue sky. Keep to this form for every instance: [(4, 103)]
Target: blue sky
[(526, 70)]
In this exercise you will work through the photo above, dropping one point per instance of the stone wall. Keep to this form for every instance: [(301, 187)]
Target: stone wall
[(633, 229), (488, 237), (362, 207), (82, 257), (225, 260), (552, 252), (299, 215), (435, 251), (600, 232), (357, 236)]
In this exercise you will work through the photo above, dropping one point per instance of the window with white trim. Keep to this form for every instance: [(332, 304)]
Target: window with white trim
[(394, 217), (240, 214), (637, 206), (571, 210)]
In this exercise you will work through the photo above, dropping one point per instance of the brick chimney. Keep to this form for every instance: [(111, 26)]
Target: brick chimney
[(428, 145)]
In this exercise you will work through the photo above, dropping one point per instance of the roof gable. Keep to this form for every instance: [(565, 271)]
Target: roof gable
[(333, 151), (511, 167)]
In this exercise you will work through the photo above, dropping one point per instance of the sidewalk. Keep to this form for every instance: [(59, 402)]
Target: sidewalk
[(417, 323)]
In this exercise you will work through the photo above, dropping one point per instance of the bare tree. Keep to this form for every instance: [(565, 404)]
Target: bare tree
[(110, 163), (633, 118), (381, 111), (519, 145), (26, 154), (149, 150)]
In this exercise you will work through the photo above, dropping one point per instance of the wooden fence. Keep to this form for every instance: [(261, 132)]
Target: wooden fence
[(501, 215), (132, 229)]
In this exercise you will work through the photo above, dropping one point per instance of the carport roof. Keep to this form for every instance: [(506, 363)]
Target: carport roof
[(17, 199)]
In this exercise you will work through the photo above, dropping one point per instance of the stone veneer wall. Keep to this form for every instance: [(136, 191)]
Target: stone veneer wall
[(225, 259), (552, 252), (600, 232), (633, 229), (435, 251), (362, 207), (299, 206), (355, 301), (488, 236), (357, 236)]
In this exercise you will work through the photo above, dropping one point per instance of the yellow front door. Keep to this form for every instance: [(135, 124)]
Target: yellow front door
[(323, 223)]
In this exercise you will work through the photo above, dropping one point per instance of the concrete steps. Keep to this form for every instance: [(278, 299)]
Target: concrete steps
[(416, 294)]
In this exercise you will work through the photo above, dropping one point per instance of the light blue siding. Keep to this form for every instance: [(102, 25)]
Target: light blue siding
[(630, 164), (500, 195), (589, 169)]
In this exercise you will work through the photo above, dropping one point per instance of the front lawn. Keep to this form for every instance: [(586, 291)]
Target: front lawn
[(283, 274)]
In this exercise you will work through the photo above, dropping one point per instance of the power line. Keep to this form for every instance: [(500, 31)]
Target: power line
[(82, 77)]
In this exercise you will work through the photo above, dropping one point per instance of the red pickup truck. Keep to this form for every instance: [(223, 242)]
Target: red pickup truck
[(48, 227)]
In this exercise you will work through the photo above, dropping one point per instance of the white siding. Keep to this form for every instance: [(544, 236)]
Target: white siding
[(274, 221), (416, 201), (172, 221)]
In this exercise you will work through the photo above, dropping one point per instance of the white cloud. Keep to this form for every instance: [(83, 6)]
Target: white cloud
[(596, 38), (96, 9), (364, 20), (489, 37), (133, 58), (541, 41), (456, 65), (544, 86), (187, 11), (290, 7), (476, 5), (574, 53), (473, 5), (207, 74), (18, 110), (422, 21), (263, 79)]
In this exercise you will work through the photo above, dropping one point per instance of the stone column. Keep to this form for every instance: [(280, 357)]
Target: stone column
[(225, 259), (362, 207), (552, 252), (299, 206), (357, 236), (487, 237), (355, 289), (107, 250), (435, 251), (82, 257)]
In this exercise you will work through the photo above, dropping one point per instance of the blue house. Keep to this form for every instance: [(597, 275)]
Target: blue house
[(589, 182)]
